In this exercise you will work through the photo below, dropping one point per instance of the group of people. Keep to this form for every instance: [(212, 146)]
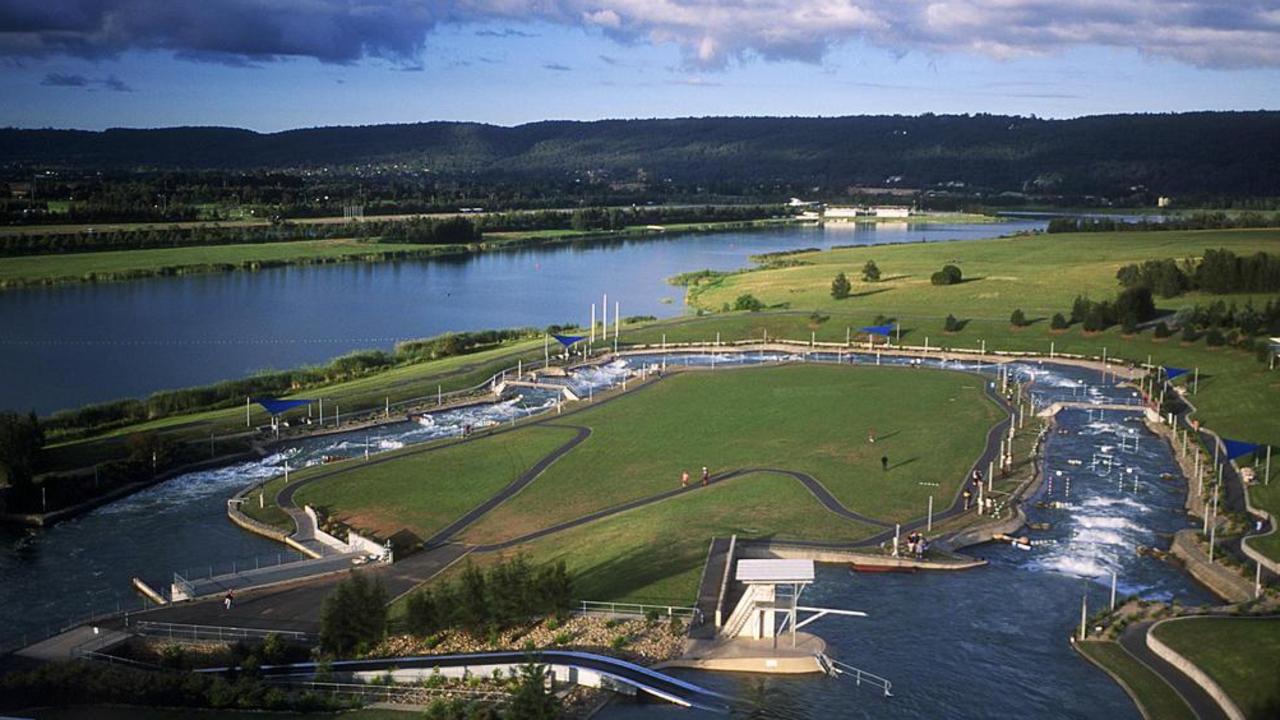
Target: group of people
[(917, 544), (706, 477)]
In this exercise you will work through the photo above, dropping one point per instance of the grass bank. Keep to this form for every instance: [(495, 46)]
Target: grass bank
[(1156, 698), (1240, 654)]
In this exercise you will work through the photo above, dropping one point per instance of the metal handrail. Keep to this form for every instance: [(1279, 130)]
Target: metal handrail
[(859, 675), (182, 631), (588, 607)]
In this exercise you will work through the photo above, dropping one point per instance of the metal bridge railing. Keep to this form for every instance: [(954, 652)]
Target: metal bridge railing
[(180, 631)]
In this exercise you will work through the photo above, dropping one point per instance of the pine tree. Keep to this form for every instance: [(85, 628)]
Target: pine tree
[(841, 287)]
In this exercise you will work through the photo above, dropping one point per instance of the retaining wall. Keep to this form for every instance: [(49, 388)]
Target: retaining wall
[(1192, 671)]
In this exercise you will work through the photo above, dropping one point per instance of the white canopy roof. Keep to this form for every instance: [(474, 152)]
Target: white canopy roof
[(769, 572)]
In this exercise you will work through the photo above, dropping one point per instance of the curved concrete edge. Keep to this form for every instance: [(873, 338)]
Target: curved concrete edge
[(1254, 554), (1142, 709), (1219, 579), (1190, 669)]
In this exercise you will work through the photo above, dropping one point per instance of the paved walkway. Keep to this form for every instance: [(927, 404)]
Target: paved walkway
[(1134, 640)]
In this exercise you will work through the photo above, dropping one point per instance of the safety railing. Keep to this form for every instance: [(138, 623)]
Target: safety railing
[(391, 692), (181, 631), (592, 607), (860, 676)]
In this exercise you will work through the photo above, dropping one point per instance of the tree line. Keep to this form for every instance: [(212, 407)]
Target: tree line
[(481, 600), (1218, 272), (1192, 221)]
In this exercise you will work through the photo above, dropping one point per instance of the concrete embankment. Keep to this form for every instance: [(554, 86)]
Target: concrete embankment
[(1192, 671), (1220, 580)]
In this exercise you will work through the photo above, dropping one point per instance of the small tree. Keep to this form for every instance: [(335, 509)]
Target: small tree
[(21, 438), (871, 272), (1162, 330), (747, 301), (1018, 318), (841, 287), (1189, 333), (948, 275), (951, 324), (1214, 338), (1058, 322), (354, 617), (532, 700)]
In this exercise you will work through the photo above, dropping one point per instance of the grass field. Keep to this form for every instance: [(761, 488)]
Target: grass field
[(812, 418), (655, 554), (1267, 497), (128, 263), (1155, 695), (418, 494), (1240, 654), (1038, 274)]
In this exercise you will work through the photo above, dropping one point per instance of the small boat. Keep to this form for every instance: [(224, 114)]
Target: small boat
[(1039, 526), (863, 567)]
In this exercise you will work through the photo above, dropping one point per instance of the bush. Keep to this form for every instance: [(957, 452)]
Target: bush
[(1018, 318), (507, 593), (871, 272), (948, 275), (1214, 338), (354, 617), (1189, 333), (951, 324), (841, 287), (1058, 322), (748, 302), (676, 627), (1128, 326), (1162, 330)]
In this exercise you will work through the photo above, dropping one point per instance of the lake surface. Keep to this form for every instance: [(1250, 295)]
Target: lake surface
[(65, 346)]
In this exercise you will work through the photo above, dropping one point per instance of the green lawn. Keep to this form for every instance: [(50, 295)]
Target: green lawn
[(1267, 497), (1038, 274), (655, 554), (419, 493), (813, 418), (125, 263), (1240, 654), (1155, 695)]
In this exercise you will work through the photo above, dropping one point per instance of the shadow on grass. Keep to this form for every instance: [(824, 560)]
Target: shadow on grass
[(632, 569), (908, 461), (886, 436), (868, 293)]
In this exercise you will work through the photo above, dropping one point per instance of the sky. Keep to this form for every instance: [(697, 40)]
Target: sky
[(272, 65)]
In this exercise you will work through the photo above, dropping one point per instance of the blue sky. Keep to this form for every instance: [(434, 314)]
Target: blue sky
[(507, 67)]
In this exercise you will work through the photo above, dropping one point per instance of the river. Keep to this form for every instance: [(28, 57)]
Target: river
[(65, 346)]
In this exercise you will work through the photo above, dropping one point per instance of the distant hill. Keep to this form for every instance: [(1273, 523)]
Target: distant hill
[(1236, 153)]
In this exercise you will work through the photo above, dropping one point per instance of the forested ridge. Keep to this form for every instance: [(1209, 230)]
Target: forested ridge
[(1221, 154)]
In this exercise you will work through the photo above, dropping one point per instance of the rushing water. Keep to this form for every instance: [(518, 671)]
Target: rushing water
[(985, 642), (69, 345)]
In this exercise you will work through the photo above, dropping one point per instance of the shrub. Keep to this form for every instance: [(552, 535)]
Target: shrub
[(676, 627), (562, 638), (354, 617), (1214, 338), (618, 642), (1189, 333), (1128, 326), (748, 302), (1018, 318), (871, 272), (948, 275), (841, 287), (951, 324), (1162, 330), (1058, 322)]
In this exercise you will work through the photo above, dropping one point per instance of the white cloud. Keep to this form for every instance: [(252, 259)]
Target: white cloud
[(710, 33)]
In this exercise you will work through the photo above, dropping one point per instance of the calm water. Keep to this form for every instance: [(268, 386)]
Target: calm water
[(65, 346)]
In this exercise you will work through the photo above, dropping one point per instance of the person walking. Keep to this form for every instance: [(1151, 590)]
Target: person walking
[(967, 495), (884, 462), (226, 601), (684, 479), (706, 476)]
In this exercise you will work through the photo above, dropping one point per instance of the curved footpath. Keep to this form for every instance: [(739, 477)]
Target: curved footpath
[(1134, 641)]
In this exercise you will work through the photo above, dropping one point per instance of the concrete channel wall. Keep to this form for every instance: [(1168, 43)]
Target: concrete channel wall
[(1190, 669)]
